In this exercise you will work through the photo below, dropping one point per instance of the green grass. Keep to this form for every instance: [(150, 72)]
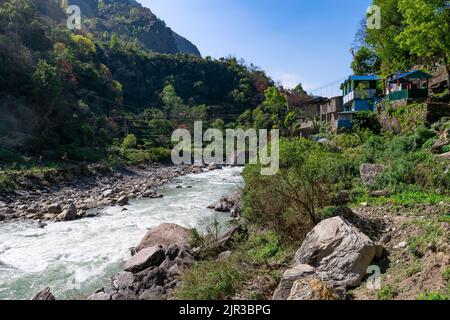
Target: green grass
[(431, 234), (260, 254), (433, 296), (405, 198), (211, 280), (387, 293), (414, 268), (446, 274)]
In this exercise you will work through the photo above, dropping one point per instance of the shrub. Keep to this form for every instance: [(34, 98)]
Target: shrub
[(6, 184), (289, 202), (129, 142)]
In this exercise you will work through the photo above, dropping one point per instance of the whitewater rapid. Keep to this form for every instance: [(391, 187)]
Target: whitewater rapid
[(76, 258)]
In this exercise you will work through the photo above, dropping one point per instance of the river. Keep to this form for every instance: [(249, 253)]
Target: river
[(76, 258)]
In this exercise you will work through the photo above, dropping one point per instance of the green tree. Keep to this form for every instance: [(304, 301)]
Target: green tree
[(393, 57), (129, 142), (366, 61), (171, 100), (426, 31)]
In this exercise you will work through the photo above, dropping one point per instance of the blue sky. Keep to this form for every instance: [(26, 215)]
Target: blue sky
[(295, 41)]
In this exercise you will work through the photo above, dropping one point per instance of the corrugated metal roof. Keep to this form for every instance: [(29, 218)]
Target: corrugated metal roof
[(414, 74), (365, 78)]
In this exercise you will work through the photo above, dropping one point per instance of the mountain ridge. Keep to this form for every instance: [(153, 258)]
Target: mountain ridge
[(127, 19)]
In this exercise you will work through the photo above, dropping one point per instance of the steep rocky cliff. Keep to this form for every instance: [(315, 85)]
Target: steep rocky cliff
[(127, 19)]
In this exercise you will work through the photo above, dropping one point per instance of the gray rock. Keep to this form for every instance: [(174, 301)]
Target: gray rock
[(123, 201), (338, 249), (68, 214), (146, 258), (155, 293), (289, 277), (44, 295), (370, 173), (437, 147), (166, 234), (123, 280), (100, 296), (224, 256), (173, 251), (214, 166), (108, 193), (54, 208), (401, 245), (312, 288)]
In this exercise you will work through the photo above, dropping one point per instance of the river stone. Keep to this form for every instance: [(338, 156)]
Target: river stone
[(312, 288), (123, 201), (68, 214), (54, 208), (100, 296), (155, 293), (340, 250), (44, 294), (108, 193), (167, 234), (146, 258), (123, 279)]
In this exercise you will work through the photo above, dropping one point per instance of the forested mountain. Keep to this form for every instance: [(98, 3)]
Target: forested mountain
[(126, 19), (65, 92)]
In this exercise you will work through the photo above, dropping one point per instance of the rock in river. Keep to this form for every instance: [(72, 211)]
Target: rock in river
[(44, 294), (146, 258), (167, 234)]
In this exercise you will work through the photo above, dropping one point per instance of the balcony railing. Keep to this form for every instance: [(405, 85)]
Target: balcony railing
[(408, 94), (360, 95)]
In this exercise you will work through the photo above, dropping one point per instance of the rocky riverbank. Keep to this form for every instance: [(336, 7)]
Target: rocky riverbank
[(54, 198)]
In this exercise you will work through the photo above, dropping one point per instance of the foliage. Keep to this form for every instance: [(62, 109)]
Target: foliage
[(366, 61), (307, 174), (433, 296), (129, 142), (210, 280)]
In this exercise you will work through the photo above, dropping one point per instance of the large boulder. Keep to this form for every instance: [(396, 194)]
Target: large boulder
[(370, 173), (167, 234), (335, 253), (340, 250), (44, 295), (146, 258)]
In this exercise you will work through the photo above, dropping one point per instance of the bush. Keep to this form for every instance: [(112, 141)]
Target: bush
[(289, 202), (129, 142), (6, 184)]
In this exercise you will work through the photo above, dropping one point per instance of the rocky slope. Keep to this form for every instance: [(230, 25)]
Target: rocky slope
[(128, 19)]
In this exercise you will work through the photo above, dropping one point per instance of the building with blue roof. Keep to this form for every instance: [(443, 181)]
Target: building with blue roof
[(359, 94), (412, 85)]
